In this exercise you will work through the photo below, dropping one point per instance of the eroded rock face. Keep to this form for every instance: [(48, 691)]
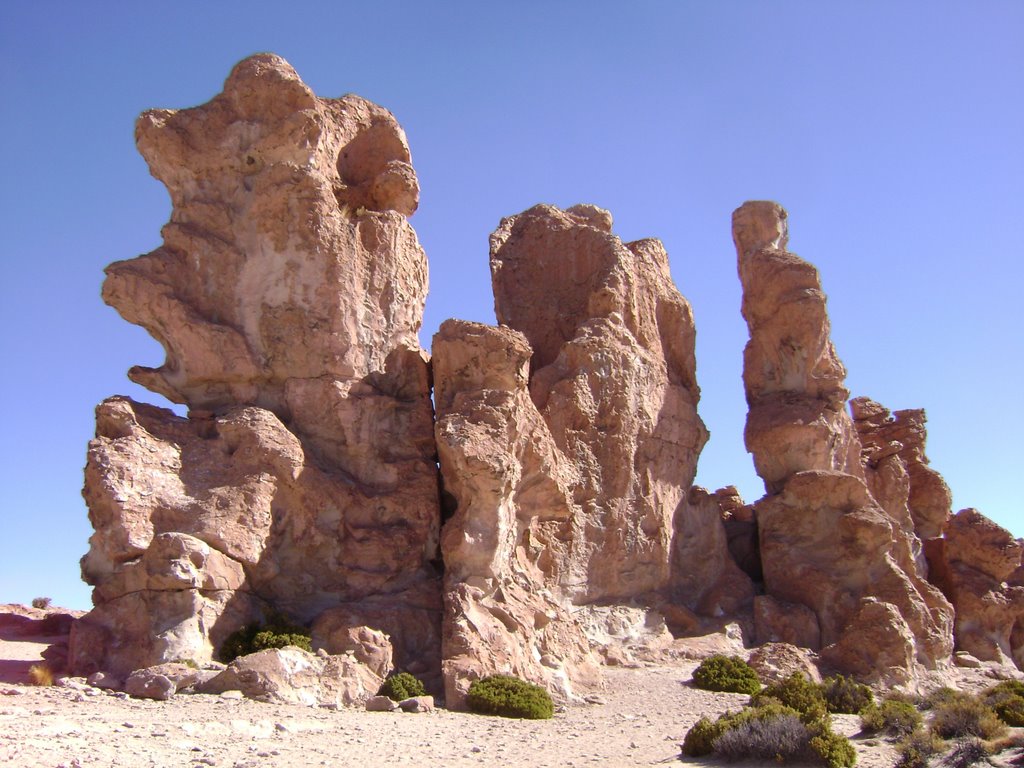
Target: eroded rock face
[(825, 542), (514, 518), (897, 470), (978, 566), (613, 376), (288, 295)]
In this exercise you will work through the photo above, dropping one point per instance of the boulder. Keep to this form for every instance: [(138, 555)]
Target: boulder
[(162, 681), (293, 676), (774, 662)]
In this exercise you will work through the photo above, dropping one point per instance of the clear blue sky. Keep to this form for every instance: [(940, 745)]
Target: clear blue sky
[(893, 133)]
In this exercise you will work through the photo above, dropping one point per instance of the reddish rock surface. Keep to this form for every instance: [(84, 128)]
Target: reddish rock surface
[(288, 294), (825, 542)]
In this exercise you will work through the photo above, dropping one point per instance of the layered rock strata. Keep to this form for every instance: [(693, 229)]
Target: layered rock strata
[(287, 294), (825, 542)]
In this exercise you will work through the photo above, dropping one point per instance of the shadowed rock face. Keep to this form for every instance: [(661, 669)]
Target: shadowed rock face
[(288, 294), (825, 542)]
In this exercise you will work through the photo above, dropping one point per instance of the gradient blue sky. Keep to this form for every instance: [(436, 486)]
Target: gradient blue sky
[(892, 131)]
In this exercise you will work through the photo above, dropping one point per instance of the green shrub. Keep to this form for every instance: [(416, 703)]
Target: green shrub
[(400, 686), (963, 716), (916, 749), (726, 673), (277, 633), (845, 696), (769, 731), (893, 717), (795, 692), (700, 739), (831, 748), (1007, 701), (509, 697), (780, 738)]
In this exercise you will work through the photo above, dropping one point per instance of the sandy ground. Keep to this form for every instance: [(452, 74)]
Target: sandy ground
[(641, 719), (645, 714)]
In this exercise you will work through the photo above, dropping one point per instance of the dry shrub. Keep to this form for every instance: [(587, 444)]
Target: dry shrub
[(893, 717), (781, 738), (40, 674), (963, 716), (965, 753), (917, 748)]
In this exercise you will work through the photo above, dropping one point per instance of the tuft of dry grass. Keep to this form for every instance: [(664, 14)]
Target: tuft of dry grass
[(40, 674)]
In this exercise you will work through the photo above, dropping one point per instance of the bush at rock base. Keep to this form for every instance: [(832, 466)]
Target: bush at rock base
[(893, 717), (962, 716), (40, 674), (729, 674), (796, 692), (845, 696), (509, 697), (277, 633), (400, 686), (1007, 701)]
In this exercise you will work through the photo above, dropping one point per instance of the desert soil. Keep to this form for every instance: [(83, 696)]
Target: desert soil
[(645, 714)]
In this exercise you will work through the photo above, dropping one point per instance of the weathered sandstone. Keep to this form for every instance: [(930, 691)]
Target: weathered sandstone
[(825, 542), (978, 566), (612, 373), (287, 294)]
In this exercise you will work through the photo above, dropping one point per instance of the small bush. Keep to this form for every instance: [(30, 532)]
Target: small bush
[(400, 686), (845, 696), (509, 697), (41, 602), (700, 739), (965, 753), (277, 633), (962, 716), (730, 674), (1007, 701), (779, 738), (795, 692), (893, 717), (831, 748), (939, 696), (40, 674), (916, 749)]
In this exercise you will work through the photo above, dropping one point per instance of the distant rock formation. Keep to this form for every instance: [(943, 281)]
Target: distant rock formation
[(825, 542), (288, 295)]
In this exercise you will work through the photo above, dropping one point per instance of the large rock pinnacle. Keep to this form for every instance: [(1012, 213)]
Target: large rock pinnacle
[(288, 294)]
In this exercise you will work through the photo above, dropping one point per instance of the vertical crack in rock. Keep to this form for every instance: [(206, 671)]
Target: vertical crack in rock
[(825, 542), (288, 294)]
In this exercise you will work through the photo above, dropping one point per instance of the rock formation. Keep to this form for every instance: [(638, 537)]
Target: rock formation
[(825, 542), (310, 476), (568, 438), (288, 295), (613, 375), (978, 564)]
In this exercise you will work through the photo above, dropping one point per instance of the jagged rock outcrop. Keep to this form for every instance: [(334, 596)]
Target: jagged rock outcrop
[(613, 375), (897, 470), (288, 294), (978, 565), (825, 542), (568, 439), (514, 515)]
